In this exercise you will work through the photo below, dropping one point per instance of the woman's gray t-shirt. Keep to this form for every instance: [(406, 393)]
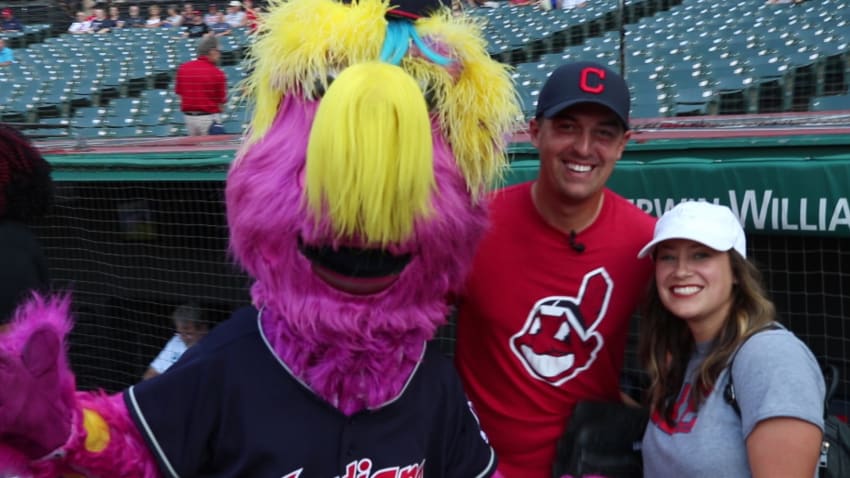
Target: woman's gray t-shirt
[(776, 375)]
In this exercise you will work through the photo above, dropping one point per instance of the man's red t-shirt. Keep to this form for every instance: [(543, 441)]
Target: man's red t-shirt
[(201, 85), (542, 325)]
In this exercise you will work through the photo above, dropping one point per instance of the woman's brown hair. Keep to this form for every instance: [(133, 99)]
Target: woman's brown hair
[(666, 343)]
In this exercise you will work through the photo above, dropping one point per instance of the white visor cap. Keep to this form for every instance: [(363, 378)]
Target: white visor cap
[(709, 224)]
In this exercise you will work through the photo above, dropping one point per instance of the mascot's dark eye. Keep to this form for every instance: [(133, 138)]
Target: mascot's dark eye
[(431, 99), (320, 87)]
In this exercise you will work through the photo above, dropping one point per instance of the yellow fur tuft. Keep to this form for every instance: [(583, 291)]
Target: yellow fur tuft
[(480, 109), (302, 42), (370, 155), (97, 431)]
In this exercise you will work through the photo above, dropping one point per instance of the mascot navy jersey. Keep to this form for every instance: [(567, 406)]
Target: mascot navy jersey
[(231, 394)]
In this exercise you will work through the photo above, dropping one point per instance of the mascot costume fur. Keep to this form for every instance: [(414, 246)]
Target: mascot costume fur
[(355, 204)]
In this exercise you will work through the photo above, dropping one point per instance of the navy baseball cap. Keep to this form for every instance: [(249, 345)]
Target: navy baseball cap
[(584, 82)]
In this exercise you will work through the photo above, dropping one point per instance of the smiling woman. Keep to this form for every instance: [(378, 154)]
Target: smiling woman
[(706, 303)]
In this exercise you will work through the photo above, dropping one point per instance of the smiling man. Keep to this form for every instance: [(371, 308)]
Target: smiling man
[(544, 319)]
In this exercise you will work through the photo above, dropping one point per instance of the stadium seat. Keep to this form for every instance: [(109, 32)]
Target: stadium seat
[(233, 126), (156, 99), (23, 105), (56, 101), (649, 108), (128, 131), (91, 132), (831, 103), (771, 83), (124, 107), (87, 117)]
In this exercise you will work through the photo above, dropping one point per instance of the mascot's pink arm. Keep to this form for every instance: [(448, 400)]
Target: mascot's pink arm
[(48, 428)]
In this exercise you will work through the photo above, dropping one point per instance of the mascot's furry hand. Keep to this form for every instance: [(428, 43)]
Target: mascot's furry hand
[(37, 392)]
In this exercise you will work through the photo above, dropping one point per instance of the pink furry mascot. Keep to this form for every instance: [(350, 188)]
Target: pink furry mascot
[(355, 205)]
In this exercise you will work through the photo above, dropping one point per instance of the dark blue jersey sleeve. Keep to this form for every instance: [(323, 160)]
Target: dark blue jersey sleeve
[(176, 413)]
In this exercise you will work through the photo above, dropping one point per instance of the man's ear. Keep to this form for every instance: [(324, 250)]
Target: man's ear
[(533, 131)]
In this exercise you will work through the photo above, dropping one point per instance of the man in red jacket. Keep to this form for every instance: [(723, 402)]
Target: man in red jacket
[(202, 87)]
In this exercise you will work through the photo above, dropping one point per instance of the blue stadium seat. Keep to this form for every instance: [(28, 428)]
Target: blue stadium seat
[(124, 107), (831, 103), (161, 130), (87, 117), (83, 132)]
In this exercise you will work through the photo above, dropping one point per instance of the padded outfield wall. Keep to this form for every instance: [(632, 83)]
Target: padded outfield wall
[(138, 229)]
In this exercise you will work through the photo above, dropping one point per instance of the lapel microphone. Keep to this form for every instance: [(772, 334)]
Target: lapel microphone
[(575, 245)]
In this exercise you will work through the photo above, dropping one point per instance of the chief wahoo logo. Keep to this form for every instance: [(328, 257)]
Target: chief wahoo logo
[(559, 339)]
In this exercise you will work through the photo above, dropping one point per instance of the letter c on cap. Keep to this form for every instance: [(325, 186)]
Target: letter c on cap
[(598, 86)]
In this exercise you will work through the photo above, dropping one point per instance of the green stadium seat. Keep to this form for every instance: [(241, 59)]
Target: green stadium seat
[(831, 103), (771, 84), (129, 131), (156, 99), (161, 130), (93, 132), (649, 108), (124, 107), (87, 117), (233, 126), (56, 101)]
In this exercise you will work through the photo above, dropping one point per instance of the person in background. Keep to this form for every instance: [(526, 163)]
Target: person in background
[(100, 23), (202, 88), (154, 19), (190, 328), (195, 27), (81, 25), (706, 304), (211, 17), (252, 15), (220, 27), (188, 12), (134, 18), (173, 18), (235, 16), (9, 22), (26, 193), (7, 57), (544, 318), (114, 15)]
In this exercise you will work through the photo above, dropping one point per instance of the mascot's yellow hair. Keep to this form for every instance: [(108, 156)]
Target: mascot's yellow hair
[(370, 154), (303, 42)]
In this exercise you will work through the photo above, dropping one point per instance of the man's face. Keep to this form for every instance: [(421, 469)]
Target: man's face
[(189, 333), (134, 11), (578, 150), (214, 55), (99, 14)]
